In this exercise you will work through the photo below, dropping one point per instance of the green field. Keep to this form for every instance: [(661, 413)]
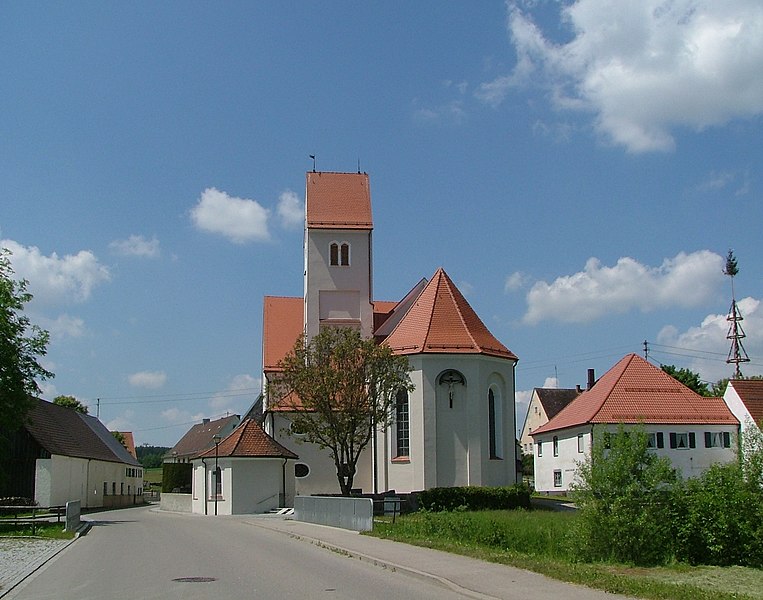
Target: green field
[(153, 476)]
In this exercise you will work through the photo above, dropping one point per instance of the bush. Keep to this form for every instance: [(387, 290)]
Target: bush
[(17, 501), (475, 498), (721, 521), (627, 510)]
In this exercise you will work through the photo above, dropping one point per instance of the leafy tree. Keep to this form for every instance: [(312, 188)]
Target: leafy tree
[(689, 378), (625, 499), (340, 388), (21, 345), (70, 402), (119, 436)]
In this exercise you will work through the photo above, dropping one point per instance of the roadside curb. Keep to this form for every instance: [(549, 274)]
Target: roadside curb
[(379, 562), (34, 566)]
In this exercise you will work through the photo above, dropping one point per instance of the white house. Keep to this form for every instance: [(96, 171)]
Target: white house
[(246, 472), (744, 397), (545, 404), (457, 426), (691, 430), (61, 455)]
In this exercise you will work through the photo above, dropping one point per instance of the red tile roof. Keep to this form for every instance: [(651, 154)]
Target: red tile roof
[(281, 327), (249, 440), (441, 321), (338, 201), (129, 443), (635, 391), (750, 391)]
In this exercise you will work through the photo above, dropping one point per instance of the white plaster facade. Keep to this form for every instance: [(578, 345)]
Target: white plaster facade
[(737, 406), (556, 469), (59, 479), (249, 485)]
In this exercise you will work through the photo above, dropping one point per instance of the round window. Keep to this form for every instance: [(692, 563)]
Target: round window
[(301, 470)]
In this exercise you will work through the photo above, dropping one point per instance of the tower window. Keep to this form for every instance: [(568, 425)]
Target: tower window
[(345, 255), (334, 252), (339, 254)]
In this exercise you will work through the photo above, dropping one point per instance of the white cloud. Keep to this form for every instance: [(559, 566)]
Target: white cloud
[(57, 280), (238, 219), (137, 245), (181, 417), (644, 68), (449, 112), (291, 210), (240, 386), (148, 379), (709, 338), (515, 281), (686, 280), (123, 422), (721, 180), (62, 326)]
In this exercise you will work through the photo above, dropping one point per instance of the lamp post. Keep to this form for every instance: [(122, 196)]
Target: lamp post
[(216, 438)]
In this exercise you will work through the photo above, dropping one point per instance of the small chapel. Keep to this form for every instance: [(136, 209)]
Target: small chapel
[(457, 427)]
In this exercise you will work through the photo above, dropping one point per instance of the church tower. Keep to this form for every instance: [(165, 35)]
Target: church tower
[(337, 248)]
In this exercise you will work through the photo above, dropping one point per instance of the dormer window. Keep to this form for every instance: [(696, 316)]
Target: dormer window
[(339, 254)]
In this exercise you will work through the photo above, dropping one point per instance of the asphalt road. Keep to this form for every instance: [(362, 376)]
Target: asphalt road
[(141, 553)]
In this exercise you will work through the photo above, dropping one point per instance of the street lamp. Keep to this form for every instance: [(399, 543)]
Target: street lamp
[(216, 438)]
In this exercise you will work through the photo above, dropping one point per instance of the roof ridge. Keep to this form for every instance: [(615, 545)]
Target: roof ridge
[(625, 362)]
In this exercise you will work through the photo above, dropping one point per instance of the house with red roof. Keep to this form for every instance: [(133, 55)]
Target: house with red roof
[(245, 472), (544, 405), (693, 431), (744, 397), (457, 426)]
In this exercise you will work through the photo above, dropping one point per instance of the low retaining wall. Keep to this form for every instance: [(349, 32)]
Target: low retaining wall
[(356, 514), (177, 502)]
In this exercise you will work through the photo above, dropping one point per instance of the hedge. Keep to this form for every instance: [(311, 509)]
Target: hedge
[(475, 498)]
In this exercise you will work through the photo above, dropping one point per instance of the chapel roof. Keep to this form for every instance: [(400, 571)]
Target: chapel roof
[(442, 321), (636, 391), (249, 440), (338, 201), (750, 392), (281, 327)]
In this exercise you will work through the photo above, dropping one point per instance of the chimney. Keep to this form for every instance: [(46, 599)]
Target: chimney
[(204, 421), (578, 389), (591, 379)]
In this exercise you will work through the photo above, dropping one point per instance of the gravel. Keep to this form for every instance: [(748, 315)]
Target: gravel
[(20, 557)]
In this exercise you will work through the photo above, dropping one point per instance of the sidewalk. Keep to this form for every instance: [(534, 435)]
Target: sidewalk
[(471, 577)]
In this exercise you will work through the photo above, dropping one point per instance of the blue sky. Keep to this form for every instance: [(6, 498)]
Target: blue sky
[(579, 169)]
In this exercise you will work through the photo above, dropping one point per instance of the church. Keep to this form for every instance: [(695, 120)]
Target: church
[(457, 426)]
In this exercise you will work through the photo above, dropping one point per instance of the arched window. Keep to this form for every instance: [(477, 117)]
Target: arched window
[(334, 254), (345, 254), (494, 420), (402, 424)]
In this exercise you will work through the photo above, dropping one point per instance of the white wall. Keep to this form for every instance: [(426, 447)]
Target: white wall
[(737, 407), (60, 479), (690, 462)]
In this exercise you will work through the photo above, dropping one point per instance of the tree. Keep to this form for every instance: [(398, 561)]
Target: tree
[(120, 437), (70, 402), (689, 378), (340, 388), (21, 345)]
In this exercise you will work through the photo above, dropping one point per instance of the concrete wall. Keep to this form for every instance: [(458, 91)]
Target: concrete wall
[(355, 514), (176, 502)]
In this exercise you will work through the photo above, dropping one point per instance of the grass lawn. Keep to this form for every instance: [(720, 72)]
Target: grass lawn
[(541, 541), (42, 529)]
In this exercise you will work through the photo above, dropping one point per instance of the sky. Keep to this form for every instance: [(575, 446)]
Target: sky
[(579, 169)]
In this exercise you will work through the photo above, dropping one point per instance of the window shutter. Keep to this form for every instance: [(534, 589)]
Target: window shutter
[(673, 443), (726, 439), (692, 440), (708, 440), (660, 440)]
